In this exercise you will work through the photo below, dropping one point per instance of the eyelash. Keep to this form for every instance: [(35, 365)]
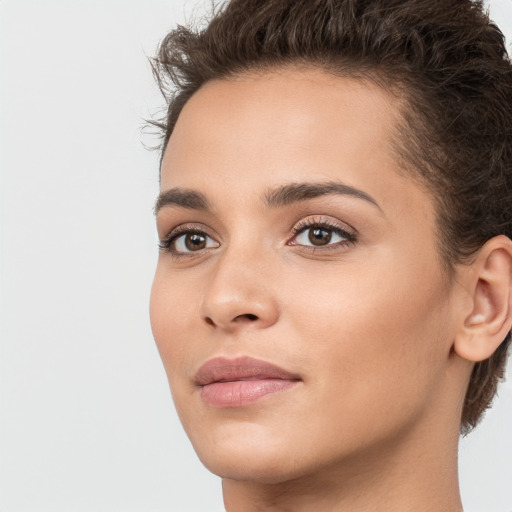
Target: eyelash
[(166, 244), (350, 237)]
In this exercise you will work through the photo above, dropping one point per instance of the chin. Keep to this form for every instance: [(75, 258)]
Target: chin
[(248, 454), (263, 467)]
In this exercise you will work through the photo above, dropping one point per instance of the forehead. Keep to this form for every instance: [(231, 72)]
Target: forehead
[(240, 136)]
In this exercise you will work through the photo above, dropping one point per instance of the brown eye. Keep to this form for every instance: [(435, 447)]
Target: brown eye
[(194, 241), (191, 241), (319, 236)]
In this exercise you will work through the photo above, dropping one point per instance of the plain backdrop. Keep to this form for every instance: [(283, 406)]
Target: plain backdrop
[(87, 422)]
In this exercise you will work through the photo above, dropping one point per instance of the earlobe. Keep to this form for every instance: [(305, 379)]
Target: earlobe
[(490, 285)]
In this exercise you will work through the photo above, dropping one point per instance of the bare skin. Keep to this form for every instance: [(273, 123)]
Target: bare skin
[(381, 339)]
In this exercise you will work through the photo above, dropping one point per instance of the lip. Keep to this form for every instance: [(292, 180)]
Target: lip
[(228, 383)]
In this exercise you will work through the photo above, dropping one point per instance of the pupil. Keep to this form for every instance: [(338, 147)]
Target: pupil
[(319, 236), (195, 241)]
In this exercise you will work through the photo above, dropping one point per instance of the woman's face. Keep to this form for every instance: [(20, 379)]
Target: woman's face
[(294, 239)]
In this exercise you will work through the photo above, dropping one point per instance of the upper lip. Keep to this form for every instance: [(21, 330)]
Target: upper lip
[(222, 369)]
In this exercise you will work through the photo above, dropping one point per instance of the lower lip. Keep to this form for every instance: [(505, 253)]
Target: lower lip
[(240, 393)]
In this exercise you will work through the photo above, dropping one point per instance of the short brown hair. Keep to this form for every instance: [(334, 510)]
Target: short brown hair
[(447, 60)]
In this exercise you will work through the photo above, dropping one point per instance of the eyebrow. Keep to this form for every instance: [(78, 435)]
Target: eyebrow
[(185, 198), (274, 198), (295, 192)]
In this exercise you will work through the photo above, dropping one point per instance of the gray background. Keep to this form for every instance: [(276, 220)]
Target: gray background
[(86, 417)]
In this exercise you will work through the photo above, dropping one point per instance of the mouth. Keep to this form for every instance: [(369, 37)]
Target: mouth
[(228, 383)]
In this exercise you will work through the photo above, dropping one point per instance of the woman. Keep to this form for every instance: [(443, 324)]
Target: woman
[(332, 301)]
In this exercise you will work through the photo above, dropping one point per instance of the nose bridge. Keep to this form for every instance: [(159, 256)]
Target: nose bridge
[(239, 290)]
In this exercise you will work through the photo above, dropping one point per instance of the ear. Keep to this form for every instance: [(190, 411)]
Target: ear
[(489, 282)]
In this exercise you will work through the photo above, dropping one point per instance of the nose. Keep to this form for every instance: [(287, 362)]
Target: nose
[(239, 294)]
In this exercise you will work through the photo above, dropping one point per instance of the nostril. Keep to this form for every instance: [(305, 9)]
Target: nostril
[(247, 316), (237, 320)]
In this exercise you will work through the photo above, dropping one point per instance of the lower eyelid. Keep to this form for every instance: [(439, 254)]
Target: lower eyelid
[(325, 250), (337, 245)]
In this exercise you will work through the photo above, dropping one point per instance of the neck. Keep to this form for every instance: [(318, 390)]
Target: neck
[(419, 474)]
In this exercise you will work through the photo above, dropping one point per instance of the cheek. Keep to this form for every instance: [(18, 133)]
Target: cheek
[(174, 321), (376, 336), (171, 319)]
